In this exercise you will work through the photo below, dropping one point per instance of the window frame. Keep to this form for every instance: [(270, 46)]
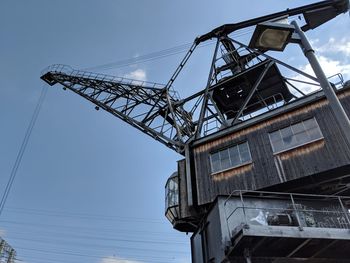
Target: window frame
[(293, 136), (228, 149)]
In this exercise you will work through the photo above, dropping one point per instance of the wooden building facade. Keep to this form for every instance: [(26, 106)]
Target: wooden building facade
[(310, 155), (325, 152)]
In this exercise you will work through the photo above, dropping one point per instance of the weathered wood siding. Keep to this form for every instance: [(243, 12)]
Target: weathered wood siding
[(184, 207), (266, 168)]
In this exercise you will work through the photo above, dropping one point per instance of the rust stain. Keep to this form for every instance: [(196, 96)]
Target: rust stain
[(319, 104), (306, 149), (344, 94), (232, 172)]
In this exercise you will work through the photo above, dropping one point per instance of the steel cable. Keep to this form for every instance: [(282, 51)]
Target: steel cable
[(157, 54)]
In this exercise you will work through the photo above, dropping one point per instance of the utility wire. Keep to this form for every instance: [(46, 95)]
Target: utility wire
[(64, 229), (153, 55), (42, 212), (23, 148), (158, 54), (111, 239), (61, 227), (144, 58), (77, 254), (86, 233), (100, 247)]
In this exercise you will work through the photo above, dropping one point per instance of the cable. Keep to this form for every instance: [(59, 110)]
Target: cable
[(72, 253), (126, 62), (41, 212), (23, 148), (157, 55), (100, 247), (84, 233), (141, 59), (71, 230), (107, 239)]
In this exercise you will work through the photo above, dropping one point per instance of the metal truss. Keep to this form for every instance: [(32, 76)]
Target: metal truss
[(144, 105), (242, 83)]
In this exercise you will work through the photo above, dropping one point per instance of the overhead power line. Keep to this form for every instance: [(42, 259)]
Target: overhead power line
[(85, 255), (56, 229), (23, 148), (42, 212), (107, 239)]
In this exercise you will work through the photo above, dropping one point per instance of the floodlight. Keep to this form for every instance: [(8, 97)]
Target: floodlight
[(271, 36)]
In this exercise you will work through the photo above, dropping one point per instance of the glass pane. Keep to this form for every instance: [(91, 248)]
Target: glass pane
[(309, 124), (275, 136), (225, 159), (276, 141), (300, 135), (215, 162), (176, 198), (244, 152), (171, 198), (234, 155), (314, 134), (176, 186), (172, 192), (287, 137), (312, 129), (171, 185), (278, 146)]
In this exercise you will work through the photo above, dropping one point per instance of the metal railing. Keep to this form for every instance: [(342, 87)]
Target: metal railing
[(285, 209), (69, 71)]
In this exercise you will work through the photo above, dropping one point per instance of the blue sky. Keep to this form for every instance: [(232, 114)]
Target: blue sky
[(90, 188)]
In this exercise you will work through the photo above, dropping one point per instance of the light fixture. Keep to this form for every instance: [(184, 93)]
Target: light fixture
[(271, 36)]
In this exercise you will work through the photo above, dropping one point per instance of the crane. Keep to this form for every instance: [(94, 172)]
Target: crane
[(158, 111), (232, 149)]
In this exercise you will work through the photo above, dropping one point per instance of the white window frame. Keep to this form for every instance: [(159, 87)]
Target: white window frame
[(298, 145), (234, 166)]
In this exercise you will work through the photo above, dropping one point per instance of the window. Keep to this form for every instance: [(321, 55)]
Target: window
[(231, 157), (172, 210), (296, 135)]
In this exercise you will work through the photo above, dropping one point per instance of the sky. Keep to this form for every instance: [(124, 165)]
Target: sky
[(90, 188)]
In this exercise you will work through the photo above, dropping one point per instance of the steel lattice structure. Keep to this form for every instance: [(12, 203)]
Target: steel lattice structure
[(143, 105), (235, 89)]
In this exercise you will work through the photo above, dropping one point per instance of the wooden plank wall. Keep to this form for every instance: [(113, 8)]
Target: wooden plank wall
[(184, 208), (267, 169)]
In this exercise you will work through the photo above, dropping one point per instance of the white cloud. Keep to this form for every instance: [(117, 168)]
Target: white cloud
[(138, 74), (117, 260), (334, 46), (330, 67)]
